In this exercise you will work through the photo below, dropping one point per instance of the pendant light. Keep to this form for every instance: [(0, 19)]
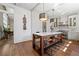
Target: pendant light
[(43, 16), (52, 19)]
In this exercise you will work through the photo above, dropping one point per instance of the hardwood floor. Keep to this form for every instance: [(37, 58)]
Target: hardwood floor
[(68, 48), (20, 49), (7, 48)]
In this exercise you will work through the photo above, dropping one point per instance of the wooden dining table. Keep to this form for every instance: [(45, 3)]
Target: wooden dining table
[(42, 36)]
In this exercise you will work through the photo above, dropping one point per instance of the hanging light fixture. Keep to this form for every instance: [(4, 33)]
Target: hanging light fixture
[(52, 19), (43, 16)]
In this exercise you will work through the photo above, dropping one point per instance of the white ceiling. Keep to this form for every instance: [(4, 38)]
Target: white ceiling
[(28, 6), (65, 9), (60, 9)]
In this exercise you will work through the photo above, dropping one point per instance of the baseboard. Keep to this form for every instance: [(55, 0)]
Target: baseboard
[(73, 39), (23, 42)]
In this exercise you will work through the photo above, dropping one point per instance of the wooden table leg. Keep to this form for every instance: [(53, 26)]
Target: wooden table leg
[(33, 41), (42, 45)]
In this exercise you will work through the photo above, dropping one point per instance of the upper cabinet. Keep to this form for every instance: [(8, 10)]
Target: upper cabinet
[(69, 21), (72, 20)]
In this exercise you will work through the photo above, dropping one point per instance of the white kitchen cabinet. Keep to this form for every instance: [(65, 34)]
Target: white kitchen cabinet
[(72, 35)]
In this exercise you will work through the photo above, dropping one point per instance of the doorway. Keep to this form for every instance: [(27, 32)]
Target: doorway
[(6, 28)]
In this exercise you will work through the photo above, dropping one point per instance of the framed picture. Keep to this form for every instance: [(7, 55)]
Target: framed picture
[(24, 22)]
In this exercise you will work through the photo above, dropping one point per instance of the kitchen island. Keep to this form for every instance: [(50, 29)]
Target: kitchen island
[(42, 41)]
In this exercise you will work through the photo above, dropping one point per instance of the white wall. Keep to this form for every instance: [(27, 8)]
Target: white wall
[(36, 23), (20, 34)]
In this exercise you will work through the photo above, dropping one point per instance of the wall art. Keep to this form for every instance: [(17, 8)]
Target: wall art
[(24, 22)]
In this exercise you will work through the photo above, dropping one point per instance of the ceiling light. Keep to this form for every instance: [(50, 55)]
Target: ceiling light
[(43, 16)]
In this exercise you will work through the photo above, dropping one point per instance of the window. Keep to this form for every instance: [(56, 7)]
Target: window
[(5, 21)]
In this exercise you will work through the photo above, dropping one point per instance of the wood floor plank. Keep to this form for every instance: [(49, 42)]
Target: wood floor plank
[(7, 48)]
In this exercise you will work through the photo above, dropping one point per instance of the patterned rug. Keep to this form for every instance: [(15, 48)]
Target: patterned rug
[(60, 49)]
